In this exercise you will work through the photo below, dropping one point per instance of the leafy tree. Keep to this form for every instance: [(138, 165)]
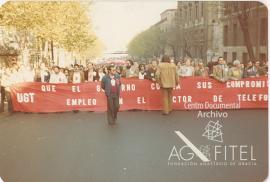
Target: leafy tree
[(146, 44), (62, 23)]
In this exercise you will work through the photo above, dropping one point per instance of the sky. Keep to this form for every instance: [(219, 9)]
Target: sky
[(117, 22)]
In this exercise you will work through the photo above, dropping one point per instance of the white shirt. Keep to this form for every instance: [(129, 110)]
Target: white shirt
[(186, 71), (15, 77), (76, 77), (91, 75), (43, 74), (58, 78), (101, 75), (28, 76), (141, 75)]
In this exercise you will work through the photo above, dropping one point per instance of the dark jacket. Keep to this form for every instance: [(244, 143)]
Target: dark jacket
[(151, 74), (106, 84)]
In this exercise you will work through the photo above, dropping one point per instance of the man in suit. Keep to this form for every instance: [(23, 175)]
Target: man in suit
[(151, 72), (221, 70), (167, 78), (111, 84)]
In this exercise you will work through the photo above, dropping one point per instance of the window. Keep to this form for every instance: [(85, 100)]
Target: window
[(189, 14), (225, 35), (180, 13), (197, 51), (186, 16), (201, 52), (234, 42), (245, 57), (263, 57), (225, 55), (234, 56), (196, 12), (202, 8)]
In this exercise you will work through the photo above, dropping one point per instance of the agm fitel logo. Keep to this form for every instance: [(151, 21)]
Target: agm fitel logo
[(205, 150), (222, 155)]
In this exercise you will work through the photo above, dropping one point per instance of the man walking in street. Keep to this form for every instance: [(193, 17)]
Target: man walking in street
[(167, 78), (111, 84)]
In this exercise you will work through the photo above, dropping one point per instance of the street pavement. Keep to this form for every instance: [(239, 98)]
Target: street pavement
[(81, 147)]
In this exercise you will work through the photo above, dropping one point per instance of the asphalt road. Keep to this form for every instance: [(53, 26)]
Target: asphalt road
[(81, 147)]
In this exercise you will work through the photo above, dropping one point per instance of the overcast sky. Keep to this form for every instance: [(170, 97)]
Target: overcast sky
[(117, 22)]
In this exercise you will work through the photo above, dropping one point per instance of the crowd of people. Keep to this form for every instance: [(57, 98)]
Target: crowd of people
[(219, 70)]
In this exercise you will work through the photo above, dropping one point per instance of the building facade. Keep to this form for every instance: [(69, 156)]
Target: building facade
[(199, 31), (168, 20), (209, 29), (234, 43), (168, 27)]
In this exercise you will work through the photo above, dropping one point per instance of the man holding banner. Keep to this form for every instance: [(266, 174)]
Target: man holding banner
[(111, 84), (167, 78)]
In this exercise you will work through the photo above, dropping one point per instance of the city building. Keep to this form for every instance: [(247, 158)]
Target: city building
[(168, 26), (209, 29), (168, 19), (199, 29), (234, 44)]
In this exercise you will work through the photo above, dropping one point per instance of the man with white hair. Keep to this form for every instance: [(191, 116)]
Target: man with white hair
[(236, 72)]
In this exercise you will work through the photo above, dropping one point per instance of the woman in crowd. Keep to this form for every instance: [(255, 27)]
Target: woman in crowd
[(236, 72), (187, 69)]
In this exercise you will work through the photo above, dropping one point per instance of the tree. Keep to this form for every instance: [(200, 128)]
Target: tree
[(241, 9), (62, 23), (146, 44)]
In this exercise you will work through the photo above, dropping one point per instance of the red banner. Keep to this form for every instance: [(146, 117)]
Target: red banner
[(192, 93)]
